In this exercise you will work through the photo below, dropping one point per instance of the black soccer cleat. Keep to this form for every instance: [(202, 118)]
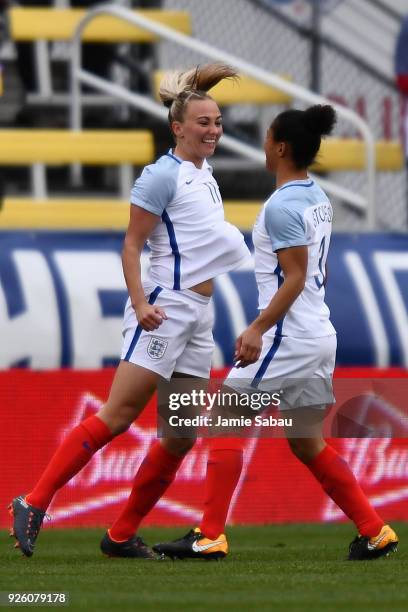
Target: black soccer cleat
[(194, 545), (27, 522), (364, 548), (134, 548)]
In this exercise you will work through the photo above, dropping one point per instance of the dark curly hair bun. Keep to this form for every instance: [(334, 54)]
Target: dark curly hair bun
[(320, 119)]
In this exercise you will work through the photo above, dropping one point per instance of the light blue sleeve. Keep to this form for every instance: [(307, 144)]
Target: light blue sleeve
[(285, 226), (155, 188)]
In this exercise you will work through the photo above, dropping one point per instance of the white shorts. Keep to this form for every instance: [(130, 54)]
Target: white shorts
[(183, 343), (300, 367)]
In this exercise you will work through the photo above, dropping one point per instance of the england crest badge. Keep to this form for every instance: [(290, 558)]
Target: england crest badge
[(156, 347)]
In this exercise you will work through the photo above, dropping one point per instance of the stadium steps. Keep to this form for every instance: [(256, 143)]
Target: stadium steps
[(44, 25), (39, 24), (53, 147)]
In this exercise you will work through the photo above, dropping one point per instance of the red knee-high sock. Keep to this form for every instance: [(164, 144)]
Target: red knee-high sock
[(339, 482), (154, 476), (224, 468), (72, 455)]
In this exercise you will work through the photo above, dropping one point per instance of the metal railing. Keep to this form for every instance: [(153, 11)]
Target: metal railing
[(364, 202)]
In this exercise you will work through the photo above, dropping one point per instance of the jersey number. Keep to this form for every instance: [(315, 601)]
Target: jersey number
[(320, 282)]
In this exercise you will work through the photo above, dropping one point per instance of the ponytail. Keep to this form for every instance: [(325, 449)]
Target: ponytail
[(179, 87)]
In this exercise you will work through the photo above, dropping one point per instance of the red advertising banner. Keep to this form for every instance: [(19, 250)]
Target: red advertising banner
[(38, 408)]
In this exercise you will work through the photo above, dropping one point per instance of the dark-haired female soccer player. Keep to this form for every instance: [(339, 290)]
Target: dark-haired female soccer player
[(176, 206), (292, 338)]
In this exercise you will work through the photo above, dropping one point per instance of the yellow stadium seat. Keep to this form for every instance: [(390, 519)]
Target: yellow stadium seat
[(64, 213), (244, 90), (29, 24), (92, 213), (92, 147), (349, 154)]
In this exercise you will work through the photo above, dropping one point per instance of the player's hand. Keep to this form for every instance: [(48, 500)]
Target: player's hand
[(248, 347), (150, 317)]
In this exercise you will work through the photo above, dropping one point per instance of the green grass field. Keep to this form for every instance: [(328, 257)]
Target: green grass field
[(290, 567)]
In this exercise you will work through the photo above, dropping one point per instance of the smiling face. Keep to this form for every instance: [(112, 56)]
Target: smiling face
[(199, 132)]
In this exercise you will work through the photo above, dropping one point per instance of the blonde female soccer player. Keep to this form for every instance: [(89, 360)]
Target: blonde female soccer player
[(176, 206), (291, 343)]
